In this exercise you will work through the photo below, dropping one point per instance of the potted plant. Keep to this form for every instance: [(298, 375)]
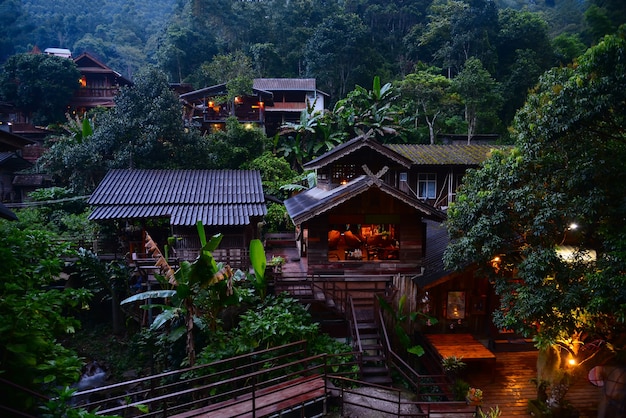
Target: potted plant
[(474, 396), (452, 365), (277, 263)]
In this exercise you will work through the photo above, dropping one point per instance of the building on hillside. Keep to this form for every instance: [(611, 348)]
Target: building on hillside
[(228, 202), (273, 102), (99, 85), (14, 158), (292, 96)]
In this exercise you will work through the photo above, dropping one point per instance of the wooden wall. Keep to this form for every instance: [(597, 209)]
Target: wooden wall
[(373, 207)]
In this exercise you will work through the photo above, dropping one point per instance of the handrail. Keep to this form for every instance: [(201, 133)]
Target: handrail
[(170, 382), (450, 408), (355, 325), (14, 412), (411, 375)]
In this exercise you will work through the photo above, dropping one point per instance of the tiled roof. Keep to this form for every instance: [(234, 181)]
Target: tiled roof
[(356, 143), (454, 154), (315, 201), (276, 84), (215, 197)]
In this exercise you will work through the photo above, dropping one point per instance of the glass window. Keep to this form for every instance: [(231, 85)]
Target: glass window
[(427, 186), (363, 242), (342, 173)]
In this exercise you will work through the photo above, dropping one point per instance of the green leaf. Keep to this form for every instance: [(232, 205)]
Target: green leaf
[(418, 350), (152, 294)]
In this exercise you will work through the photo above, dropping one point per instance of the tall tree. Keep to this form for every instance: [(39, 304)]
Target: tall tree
[(34, 313), (514, 213), (427, 96), (334, 54), (479, 93), (462, 29), (40, 85), (524, 53), (143, 130)]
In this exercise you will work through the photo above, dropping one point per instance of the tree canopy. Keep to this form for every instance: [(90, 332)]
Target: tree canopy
[(561, 187), (40, 85)]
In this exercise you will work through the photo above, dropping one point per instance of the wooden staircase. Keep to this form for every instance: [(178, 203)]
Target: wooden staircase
[(367, 339), (353, 301)]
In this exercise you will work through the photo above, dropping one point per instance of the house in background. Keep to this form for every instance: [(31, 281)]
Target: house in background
[(229, 202), (292, 96), (273, 102), (99, 85)]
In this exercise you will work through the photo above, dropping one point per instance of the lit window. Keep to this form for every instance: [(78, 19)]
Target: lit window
[(427, 186), (342, 173)]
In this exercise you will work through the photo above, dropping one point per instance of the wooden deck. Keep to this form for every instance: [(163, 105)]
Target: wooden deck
[(512, 387)]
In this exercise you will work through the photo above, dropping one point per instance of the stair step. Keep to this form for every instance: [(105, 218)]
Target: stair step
[(375, 370), (371, 347), (369, 337), (381, 380), (371, 358)]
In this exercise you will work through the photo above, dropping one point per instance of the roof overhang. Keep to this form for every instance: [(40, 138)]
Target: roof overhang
[(316, 201), (362, 141)]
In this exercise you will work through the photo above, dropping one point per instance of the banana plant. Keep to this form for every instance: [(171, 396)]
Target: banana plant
[(182, 313)]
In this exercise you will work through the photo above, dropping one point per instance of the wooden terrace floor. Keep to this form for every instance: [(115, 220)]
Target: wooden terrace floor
[(512, 387)]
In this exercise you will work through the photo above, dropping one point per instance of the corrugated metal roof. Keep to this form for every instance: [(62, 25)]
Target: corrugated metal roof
[(215, 197), (315, 201), (456, 154)]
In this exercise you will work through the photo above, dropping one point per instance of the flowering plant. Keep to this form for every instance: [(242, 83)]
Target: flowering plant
[(474, 395)]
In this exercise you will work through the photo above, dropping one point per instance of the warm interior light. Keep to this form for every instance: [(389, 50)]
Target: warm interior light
[(83, 81), (573, 226)]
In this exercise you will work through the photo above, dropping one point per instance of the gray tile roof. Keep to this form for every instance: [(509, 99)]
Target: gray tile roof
[(315, 201), (356, 143), (215, 197), (454, 154), (289, 84)]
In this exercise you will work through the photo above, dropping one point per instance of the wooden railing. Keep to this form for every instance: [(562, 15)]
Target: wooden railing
[(244, 377), (388, 401), (18, 391)]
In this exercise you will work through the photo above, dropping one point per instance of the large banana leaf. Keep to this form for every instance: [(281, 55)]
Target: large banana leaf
[(150, 294), (259, 262)]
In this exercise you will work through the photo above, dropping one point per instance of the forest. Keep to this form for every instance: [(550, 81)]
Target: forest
[(340, 43), (390, 67)]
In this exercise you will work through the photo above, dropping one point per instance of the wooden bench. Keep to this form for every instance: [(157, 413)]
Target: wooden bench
[(266, 401)]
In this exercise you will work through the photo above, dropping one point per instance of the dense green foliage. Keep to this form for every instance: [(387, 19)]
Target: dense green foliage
[(35, 311), (39, 85), (567, 168), (124, 34), (342, 45)]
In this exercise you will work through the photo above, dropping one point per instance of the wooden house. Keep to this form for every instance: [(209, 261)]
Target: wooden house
[(99, 85), (379, 209), (169, 203), (273, 102)]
